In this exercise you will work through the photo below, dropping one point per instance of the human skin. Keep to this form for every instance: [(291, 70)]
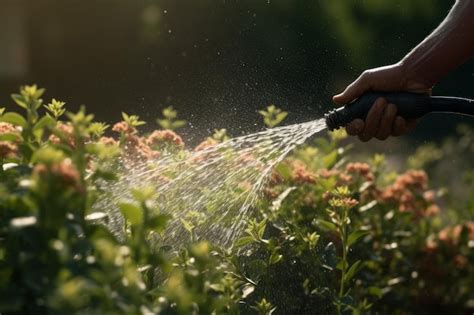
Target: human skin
[(448, 46)]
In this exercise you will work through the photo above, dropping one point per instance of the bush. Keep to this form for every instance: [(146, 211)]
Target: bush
[(329, 235)]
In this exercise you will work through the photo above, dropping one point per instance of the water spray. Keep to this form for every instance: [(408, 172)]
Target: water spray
[(409, 106)]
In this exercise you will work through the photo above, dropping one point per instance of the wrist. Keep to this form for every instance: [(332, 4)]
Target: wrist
[(414, 77)]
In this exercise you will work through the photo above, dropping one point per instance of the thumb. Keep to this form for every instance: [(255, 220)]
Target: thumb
[(353, 91)]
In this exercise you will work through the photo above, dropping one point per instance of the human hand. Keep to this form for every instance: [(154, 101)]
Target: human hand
[(382, 120)]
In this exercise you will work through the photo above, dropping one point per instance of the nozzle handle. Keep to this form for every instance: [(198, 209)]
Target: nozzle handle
[(409, 106)]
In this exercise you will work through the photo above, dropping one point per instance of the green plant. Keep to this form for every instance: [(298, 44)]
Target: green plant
[(273, 116), (328, 235), (170, 120)]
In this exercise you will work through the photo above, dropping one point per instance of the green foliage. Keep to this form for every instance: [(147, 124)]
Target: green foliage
[(273, 116), (169, 120), (56, 108), (132, 120), (329, 235)]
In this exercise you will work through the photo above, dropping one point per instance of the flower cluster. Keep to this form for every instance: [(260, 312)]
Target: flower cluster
[(409, 193), (124, 127), (64, 172), (159, 138), (66, 131)]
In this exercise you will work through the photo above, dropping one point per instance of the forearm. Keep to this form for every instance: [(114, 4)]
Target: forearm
[(450, 45)]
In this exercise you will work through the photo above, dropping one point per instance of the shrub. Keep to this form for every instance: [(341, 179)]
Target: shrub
[(329, 235)]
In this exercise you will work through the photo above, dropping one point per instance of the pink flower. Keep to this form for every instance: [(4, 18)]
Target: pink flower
[(124, 127), (7, 128), (301, 174), (108, 141), (208, 143), (162, 137), (67, 132), (7, 150), (65, 172), (363, 169)]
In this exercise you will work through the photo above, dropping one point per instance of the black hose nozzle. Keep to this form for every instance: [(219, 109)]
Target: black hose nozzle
[(409, 106)]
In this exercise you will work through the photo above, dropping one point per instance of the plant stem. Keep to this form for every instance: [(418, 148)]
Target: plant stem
[(343, 236)]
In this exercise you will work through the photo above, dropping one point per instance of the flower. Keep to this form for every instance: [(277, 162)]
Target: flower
[(108, 141), (7, 128), (163, 137), (135, 149), (208, 143), (301, 174), (362, 169), (124, 127), (64, 172), (7, 150), (67, 132)]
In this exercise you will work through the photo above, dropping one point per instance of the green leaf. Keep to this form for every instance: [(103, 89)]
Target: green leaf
[(19, 100), (45, 121), (187, 225), (330, 159), (10, 137), (243, 241), (326, 225), (14, 119), (375, 291), (354, 236), (352, 271), (284, 171), (158, 223), (132, 213), (178, 124), (274, 258)]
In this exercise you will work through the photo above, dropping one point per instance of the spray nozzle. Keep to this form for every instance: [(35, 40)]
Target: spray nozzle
[(409, 106)]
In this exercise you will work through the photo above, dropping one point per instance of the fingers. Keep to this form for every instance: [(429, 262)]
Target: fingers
[(386, 123), (402, 126), (355, 127), (373, 119), (353, 91)]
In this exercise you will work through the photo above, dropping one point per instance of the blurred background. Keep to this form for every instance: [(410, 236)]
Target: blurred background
[(216, 61)]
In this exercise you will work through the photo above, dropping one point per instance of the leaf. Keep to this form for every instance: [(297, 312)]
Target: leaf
[(352, 271), (354, 236), (326, 225), (375, 291), (132, 213), (10, 137), (274, 258), (284, 171), (330, 159), (19, 100), (14, 119), (45, 121), (187, 225), (157, 223), (178, 124), (243, 241)]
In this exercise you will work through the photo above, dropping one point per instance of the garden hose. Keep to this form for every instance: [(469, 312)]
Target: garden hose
[(409, 106)]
